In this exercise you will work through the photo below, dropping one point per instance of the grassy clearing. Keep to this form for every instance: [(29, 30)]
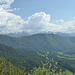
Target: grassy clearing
[(65, 57), (60, 53), (73, 55), (68, 72)]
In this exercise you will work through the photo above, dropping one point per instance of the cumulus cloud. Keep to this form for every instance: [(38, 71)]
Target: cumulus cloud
[(9, 22), (5, 4), (60, 21), (69, 26), (73, 18), (38, 22)]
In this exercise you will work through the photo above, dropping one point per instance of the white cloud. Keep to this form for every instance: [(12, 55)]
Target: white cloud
[(73, 18), (37, 22), (10, 23), (5, 4), (9, 10), (40, 22), (60, 21), (69, 26)]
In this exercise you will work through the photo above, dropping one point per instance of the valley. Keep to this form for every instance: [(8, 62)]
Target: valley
[(22, 51)]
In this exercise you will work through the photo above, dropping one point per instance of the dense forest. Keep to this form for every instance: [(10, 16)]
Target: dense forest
[(28, 52), (48, 68)]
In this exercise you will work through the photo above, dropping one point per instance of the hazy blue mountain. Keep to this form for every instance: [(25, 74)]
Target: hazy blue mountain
[(66, 34), (19, 34), (23, 33), (72, 39)]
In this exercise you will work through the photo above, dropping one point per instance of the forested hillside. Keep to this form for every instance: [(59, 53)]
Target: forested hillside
[(61, 49), (48, 68), (6, 68), (41, 42), (26, 60)]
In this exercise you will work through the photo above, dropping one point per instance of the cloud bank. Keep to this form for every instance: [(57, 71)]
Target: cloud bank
[(5, 4), (40, 22), (9, 22), (36, 23)]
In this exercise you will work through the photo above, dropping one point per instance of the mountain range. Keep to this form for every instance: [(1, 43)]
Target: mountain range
[(24, 33), (24, 50)]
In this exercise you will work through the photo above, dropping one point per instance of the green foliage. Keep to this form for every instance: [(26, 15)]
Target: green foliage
[(9, 69), (60, 53), (47, 69), (27, 58)]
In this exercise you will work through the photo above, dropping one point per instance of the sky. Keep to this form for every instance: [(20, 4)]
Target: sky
[(35, 16)]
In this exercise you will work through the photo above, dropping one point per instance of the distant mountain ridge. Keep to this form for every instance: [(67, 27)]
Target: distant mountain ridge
[(24, 33), (19, 34), (66, 34)]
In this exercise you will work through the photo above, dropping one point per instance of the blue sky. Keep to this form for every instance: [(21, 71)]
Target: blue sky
[(35, 16), (58, 9)]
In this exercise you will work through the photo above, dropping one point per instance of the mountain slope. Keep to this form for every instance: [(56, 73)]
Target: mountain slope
[(8, 52), (6, 68), (43, 43), (40, 42), (26, 60), (72, 39)]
